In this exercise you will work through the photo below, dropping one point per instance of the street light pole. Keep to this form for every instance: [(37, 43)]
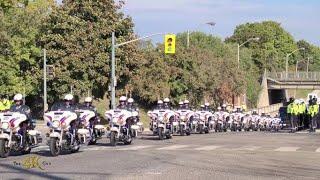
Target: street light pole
[(113, 62), (45, 102), (287, 59), (239, 45), (188, 32), (238, 56), (188, 39), (113, 73)]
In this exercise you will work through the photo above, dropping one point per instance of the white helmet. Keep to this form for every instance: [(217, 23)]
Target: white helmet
[(88, 99), (18, 97), (219, 108), (206, 104), (224, 105), (160, 102), (166, 100), (202, 106), (68, 97), (130, 100), (180, 103), (186, 102), (123, 98)]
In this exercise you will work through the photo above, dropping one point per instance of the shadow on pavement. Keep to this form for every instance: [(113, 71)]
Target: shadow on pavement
[(28, 172), (46, 153)]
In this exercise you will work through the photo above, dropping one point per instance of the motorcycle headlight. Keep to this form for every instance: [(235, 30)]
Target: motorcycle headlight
[(56, 124), (5, 125)]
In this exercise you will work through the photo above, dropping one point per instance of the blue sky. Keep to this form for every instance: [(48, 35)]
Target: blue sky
[(299, 17)]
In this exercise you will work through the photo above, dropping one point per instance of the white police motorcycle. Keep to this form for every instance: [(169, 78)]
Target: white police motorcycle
[(203, 118), (161, 123), (184, 118), (11, 140), (121, 126), (89, 131), (63, 130)]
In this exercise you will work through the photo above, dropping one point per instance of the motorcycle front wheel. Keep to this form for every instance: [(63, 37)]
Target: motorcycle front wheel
[(4, 150), (54, 147), (182, 131), (113, 140), (161, 133)]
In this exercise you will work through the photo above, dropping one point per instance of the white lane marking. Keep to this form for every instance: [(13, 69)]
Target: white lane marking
[(318, 150), (96, 148), (134, 148), (40, 147), (287, 149), (248, 148), (207, 148), (173, 147)]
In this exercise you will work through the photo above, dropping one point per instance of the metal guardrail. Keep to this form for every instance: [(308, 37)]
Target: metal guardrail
[(292, 76), (274, 108)]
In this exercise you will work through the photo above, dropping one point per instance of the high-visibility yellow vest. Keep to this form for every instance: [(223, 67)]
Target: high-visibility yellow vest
[(7, 104), (289, 108), (295, 109), (2, 107), (313, 110)]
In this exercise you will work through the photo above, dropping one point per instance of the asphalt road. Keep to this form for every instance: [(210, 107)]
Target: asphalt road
[(242, 155)]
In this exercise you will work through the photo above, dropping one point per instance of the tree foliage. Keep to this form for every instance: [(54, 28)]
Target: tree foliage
[(270, 51), (20, 56), (207, 71), (78, 38)]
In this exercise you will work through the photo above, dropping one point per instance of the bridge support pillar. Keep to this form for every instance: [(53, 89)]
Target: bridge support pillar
[(263, 99)]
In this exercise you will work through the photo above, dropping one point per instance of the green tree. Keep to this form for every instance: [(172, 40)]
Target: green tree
[(77, 36), (20, 57), (205, 71), (313, 53), (270, 51)]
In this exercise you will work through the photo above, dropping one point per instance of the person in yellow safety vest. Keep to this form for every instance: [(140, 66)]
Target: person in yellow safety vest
[(2, 106), (313, 111), (295, 112), (7, 103), (290, 111), (302, 110)]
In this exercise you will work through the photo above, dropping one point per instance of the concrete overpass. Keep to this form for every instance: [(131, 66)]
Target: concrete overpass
[(275, 85), (300, 80)]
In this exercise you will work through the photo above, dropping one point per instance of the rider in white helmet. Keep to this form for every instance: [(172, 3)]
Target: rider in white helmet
[(207, 106), (130, 105), (202, 107), (19, 107), (166, 103), (160, 104), (88, 104), (23, 109), (68, 103), (180, 105), (122, 102), (224, 107), (186, 104)]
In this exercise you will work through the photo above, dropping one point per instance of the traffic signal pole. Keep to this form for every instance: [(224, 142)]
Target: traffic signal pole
[(113, 62)]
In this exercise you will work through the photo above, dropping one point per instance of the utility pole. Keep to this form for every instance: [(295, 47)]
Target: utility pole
[(45, 102), (113, 73), (188, 39), (113, 62)]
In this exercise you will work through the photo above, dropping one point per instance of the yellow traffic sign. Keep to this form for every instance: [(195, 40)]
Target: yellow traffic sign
[(170, 43)]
